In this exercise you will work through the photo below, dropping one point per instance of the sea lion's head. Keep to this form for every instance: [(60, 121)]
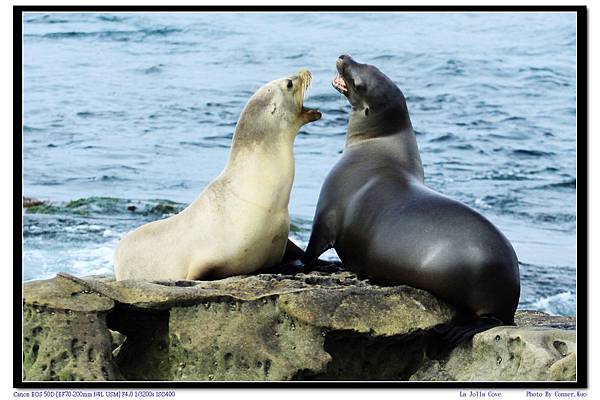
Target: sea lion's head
[(287, 98), (370, 92), (277, 108)]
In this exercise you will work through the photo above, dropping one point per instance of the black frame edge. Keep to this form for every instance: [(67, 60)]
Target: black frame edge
[(582, 201), (298, 8), (17, 197), (582, 195)]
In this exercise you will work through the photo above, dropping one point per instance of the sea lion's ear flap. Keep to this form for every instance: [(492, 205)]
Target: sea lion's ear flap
[(273, 108)]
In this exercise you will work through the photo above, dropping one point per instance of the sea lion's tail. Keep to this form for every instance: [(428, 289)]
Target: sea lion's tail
[(449, 335)]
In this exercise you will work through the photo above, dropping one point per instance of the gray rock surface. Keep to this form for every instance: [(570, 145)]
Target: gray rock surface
[(508, 353), (325, 325), (65, 336)]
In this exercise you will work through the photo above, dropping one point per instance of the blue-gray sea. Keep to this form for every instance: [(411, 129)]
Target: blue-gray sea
[(128, 116)]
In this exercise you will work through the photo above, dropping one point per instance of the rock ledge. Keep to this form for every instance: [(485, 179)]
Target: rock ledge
[(326, 325)]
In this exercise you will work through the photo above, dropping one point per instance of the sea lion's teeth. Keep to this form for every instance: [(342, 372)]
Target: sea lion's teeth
[(339, 83), (339, 80)]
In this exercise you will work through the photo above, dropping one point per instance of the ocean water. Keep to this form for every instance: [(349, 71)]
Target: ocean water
[(128, 116)]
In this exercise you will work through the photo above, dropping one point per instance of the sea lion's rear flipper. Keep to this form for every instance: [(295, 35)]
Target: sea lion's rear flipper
[(449, 335)]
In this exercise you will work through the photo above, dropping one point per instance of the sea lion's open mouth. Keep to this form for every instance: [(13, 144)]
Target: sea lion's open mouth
[(312, 114), (309, 114), (339, 84)]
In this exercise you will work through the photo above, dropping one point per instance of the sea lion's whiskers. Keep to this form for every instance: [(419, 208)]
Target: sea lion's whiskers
[(304, 91), (306, 81)]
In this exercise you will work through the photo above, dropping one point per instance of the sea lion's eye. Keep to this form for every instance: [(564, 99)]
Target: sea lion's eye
[(290, 84)]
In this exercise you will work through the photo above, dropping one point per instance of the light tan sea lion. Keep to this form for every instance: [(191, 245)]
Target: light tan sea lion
[(240, 222)]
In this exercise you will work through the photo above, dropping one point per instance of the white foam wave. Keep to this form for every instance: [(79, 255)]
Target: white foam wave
[(79, 261), (564, 303)]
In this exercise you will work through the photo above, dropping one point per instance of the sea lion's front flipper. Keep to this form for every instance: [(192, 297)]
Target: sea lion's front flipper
[(292, 263), (292, 252), (322, 237)]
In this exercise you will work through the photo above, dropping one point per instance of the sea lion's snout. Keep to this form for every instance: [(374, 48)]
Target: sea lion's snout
[(307, 114), (342, 61), (341, 65)]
